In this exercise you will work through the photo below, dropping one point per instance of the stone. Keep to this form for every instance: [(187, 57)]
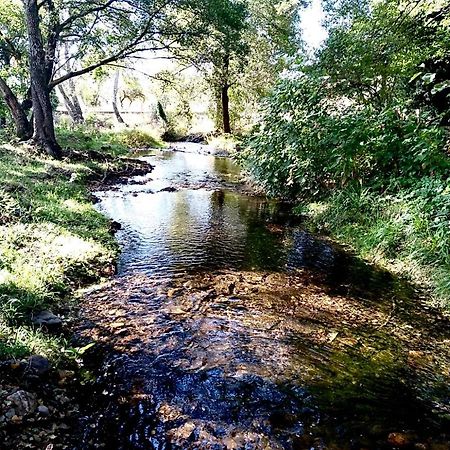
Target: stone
[(399, 439), (23, 402), (43, 411), (38, 365), (47, 320)]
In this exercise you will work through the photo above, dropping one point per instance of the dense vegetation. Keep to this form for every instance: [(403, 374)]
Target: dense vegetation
[(358, 135)]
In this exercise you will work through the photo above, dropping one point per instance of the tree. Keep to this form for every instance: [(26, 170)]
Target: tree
[(351, 116), (70, 94), (98, 33), (246, 44), (14, 80), (114, 98), (41, 65), (219, 52)]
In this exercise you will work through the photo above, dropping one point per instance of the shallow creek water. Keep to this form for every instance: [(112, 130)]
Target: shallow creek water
[(231, 327)]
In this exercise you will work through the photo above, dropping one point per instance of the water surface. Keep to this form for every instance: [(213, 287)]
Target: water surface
[(231, 327)]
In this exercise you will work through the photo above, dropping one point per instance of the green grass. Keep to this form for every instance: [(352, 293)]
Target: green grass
[(52, 240), (407, 231)]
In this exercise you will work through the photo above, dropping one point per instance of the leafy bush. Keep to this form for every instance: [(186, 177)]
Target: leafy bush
[(309, 144), (137, 139), (358, 131)]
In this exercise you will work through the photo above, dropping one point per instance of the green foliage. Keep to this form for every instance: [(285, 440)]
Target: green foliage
[(116, 143), (359, 129), (137, 139)]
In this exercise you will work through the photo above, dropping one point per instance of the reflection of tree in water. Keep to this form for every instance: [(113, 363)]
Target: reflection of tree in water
[(226, 168), (238, 235), (218, 198)]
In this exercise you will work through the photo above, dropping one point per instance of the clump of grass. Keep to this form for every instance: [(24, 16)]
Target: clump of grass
[(224, 142), (20, 341), (138, 139), (113, 142)]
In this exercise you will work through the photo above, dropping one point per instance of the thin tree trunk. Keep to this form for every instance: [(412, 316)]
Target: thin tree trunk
[(44, 127), (76, 102), (114, 101), (74, 110), (226, 109), (70, 98), (218, 119), (225, 99), (24, 130)]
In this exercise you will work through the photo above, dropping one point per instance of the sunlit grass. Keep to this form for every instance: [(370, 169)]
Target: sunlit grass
[(115, 142), (52, 240), (223, 142)]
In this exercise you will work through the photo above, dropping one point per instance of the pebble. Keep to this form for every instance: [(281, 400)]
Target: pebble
[(43, 410)]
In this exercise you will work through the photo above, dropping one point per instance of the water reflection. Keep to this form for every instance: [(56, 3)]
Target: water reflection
[(169, 233), (191, 228)]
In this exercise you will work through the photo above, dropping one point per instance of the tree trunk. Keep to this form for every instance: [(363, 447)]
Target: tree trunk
[(24, 130), (226, 109), (72, 106), (76, 102), (70, 98), (114, 102), (44, 127), (218, 116)]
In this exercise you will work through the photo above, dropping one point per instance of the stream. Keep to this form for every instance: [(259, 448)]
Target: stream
[(229, 326)]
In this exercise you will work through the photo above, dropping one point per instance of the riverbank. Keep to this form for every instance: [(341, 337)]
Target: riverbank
[(52, 242), (403, 231)]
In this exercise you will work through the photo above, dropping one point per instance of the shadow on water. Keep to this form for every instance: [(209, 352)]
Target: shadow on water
[(230, 327)]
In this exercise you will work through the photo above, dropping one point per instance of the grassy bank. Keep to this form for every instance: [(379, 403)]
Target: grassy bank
[(52, 240), (404, 231)]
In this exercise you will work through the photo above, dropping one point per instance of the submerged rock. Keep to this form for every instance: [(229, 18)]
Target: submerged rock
[(169, 189)]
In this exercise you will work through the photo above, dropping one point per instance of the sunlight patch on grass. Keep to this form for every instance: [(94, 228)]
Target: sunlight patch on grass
[(52, 240)]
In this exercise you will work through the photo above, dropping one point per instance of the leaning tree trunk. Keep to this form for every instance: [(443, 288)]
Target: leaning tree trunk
[(44, 127), (24, 129), (226, 109), (114, 101), (70, 97), (72, 106), (76, 103)]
